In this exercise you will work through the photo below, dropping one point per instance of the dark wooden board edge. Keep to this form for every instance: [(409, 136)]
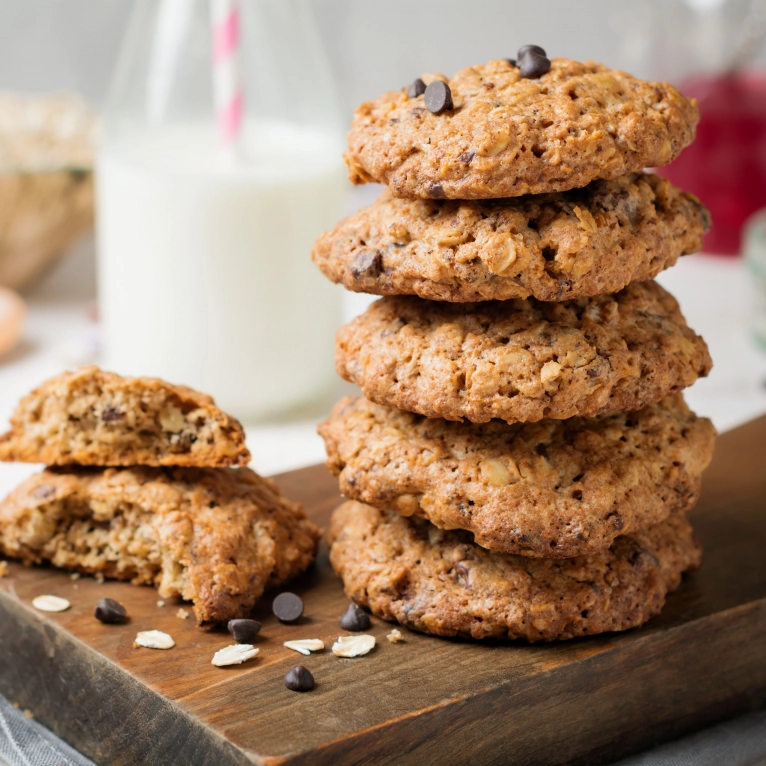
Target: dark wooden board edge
[(162, 733), (569, 716)]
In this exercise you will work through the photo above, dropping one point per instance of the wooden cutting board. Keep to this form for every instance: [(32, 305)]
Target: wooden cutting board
[(426, 700)]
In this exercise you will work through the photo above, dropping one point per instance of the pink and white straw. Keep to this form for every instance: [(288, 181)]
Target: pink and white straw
[(227, 79)]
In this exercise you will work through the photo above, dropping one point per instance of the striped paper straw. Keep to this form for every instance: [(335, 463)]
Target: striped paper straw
[(227, 80)]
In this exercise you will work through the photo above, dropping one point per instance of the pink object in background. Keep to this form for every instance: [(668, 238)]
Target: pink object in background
[(726, 166), (227, 81)]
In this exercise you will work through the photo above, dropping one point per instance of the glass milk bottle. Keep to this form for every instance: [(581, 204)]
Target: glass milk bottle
[(220, 164)]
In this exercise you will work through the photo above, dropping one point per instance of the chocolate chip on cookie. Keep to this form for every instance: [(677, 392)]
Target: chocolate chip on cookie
[(525, 49), (438, 97), (532, 61), (418, 88)]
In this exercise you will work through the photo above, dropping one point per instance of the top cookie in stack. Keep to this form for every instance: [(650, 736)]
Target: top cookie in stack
[(139, 487), (515, 248), (508, 128)]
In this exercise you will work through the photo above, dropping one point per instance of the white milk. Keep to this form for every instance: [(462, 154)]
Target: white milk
[(205, 274)]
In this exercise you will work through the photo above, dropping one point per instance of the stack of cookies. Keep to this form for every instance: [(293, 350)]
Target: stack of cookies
[(140, 486), (522, 460)]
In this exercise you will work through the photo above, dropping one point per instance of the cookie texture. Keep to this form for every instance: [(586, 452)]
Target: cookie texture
[(438, 582), (92, 417), (507, 136), (552, 247), (555, 489), (214, 536), (522, 360)]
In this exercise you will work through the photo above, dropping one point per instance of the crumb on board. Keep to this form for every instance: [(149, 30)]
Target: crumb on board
[(160, 603), (3, 569), (74, 576), (395, 636), (29, 714), (182, 614)]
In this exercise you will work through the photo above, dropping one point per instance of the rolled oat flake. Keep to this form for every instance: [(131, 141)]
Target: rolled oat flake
[(353, 646), (235, 654), (305, 645), (155, 639), (50, 603)]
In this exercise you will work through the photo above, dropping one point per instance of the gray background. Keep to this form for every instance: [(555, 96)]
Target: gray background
[(376, 45)]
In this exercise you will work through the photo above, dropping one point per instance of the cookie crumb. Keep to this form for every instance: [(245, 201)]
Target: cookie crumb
[(395, 636), (160, 603), (3, 569), (182, 614), (100, 578), (75, 576), (29, 714)]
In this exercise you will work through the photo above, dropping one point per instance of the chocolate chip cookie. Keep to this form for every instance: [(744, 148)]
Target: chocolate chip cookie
[(554, 489), (552, 247), (504, 135), (92, 417), (438, 582), (214, 536), (522, 360)]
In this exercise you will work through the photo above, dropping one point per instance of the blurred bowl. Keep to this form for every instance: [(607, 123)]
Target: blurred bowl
[(46, 181)]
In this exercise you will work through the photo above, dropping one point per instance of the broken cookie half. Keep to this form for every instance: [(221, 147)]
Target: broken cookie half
[(215, 536), (92, 417)]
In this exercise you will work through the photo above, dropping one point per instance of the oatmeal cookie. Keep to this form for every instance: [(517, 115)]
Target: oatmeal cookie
[(553, 489), (506, 135), (522, 360), (92, 417), (214, 536), (552, 247), (438, 582)]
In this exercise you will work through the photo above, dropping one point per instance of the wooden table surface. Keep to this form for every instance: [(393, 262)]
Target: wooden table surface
[(426, 700)]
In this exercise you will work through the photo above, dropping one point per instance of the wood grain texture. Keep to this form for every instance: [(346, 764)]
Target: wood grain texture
[(425, 700)]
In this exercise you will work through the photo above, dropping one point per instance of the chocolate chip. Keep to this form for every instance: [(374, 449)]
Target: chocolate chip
[(111, 415), (418, 88), (367, 264), (533, 65), (354, 618), (299, 679), (512, 62), (436, 191), (438, 97), (467, 157), (110, 611), (43, 491), (287, 607), (244, 631), (530, 49)]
